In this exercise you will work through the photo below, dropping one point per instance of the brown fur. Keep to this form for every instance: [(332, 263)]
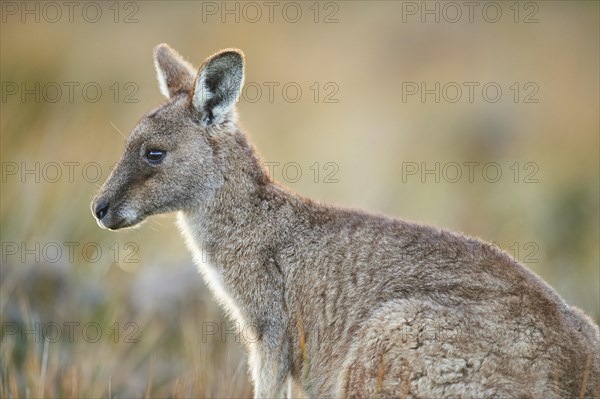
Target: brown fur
[(340, 302)]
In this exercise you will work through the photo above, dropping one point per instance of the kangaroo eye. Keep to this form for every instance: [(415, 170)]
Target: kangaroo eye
[(155, 156)]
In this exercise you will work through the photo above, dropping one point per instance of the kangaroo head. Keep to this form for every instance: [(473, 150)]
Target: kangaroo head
[(172, 160)]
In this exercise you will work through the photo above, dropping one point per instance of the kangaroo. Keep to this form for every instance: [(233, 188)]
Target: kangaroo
[(338, 302)]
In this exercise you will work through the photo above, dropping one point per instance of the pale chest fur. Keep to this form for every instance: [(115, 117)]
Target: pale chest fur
[(190, 230)]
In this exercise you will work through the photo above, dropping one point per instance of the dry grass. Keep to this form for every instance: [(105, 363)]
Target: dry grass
[(169, 351)]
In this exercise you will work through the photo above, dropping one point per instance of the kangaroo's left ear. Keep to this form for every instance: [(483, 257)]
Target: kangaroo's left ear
[(218, 86), (175, 75)]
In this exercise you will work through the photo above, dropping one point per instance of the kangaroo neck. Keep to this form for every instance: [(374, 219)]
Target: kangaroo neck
[(233, 238), (233, 221)]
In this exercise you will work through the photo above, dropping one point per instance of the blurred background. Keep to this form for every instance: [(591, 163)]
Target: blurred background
[(481, 119)]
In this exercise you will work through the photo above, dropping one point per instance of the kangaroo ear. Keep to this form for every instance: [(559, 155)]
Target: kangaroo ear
[(175, 75), (218, 85)]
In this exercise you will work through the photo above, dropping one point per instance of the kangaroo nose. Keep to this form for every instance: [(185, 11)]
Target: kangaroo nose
[(101, 209)]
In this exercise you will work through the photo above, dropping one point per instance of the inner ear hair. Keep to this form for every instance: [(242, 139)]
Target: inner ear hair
[(218, 85)]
